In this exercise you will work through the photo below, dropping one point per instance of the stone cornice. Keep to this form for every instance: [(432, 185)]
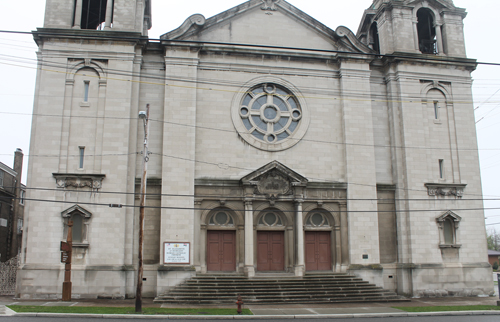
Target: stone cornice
[(79, 180), (445, 189)]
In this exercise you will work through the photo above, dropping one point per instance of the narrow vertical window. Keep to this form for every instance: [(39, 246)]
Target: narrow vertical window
[(1, 178), (82, 154), (441, 168), (77, 228), (436, 110), (448, 231), (86, 86)]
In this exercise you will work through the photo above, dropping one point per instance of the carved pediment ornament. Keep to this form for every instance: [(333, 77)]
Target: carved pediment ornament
[(269, 5), (273, 184), (445, 190), (67, 180)]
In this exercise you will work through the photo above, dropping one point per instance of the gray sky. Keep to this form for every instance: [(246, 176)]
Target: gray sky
[(18, 67)]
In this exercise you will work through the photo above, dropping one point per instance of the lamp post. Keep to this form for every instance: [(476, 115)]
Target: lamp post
[(144, 115)]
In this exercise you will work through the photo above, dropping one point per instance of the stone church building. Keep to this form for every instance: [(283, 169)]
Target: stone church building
[(276, 146)]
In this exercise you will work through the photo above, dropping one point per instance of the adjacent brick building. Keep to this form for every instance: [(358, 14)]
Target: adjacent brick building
[(278, 145), (11, 207)]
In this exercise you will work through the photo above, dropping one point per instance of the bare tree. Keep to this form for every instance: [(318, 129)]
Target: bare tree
[(493, 238)]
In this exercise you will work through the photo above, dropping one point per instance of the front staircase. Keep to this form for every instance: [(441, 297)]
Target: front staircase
[(317, 289)]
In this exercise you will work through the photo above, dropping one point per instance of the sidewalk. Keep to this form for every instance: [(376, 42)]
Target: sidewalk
[(344, 310)]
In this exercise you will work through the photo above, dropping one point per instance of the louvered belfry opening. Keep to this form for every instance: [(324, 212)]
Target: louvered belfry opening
[(93, 14), (426, 32)]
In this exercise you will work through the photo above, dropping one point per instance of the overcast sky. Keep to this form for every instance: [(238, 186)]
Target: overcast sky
[(18, 67)]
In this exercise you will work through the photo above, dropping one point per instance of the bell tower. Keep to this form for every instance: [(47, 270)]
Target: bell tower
[(432, 27), (107, 15)]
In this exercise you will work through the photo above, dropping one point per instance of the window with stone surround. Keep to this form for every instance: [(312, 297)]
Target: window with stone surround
[(81, 220), (448, 224)]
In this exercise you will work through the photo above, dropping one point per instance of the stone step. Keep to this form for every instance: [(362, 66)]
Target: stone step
[(284, 282), (275, 289), (335, 288)]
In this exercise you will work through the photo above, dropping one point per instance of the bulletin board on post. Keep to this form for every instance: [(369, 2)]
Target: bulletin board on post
[(176, 253)]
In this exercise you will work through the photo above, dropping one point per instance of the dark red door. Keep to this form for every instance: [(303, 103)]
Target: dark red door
[(270, 251), (318, 251), (221, 251)]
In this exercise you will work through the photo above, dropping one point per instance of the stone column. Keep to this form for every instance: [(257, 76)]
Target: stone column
[(109, 14), (439, 38), (415, 35), (78, 15), (299, 230), (249, 243)]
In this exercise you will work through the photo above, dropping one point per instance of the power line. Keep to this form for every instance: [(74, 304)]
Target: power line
[(239, 198), (118, 205), (234, 131), (178, 41)]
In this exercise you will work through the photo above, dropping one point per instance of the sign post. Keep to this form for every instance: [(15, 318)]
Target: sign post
[(66, 250)]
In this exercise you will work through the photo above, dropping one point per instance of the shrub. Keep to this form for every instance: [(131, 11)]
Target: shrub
[(495, 266)]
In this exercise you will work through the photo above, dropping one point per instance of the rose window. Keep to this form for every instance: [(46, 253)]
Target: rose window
[(270, 113)]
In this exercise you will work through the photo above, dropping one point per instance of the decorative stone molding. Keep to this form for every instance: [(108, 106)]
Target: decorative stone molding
[(273, 184), (269, 5), (445, 190), (76, 180), (274, 180)]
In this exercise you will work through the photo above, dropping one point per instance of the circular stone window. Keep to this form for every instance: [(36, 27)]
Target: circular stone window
[(270, 117)]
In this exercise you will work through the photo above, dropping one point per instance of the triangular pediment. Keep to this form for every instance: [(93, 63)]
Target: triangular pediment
[(274, 179), (267, 23), (449, 214)]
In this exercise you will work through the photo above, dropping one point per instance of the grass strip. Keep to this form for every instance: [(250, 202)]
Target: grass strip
[(448, 308), (123, 310)]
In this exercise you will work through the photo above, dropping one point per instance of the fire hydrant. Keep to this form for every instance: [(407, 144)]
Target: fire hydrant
[(239, 302)]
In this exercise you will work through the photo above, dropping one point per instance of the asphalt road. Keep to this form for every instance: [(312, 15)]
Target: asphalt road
[(491, 318)]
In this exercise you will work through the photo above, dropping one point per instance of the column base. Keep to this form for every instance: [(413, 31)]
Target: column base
[(299, 271), (249, 271)]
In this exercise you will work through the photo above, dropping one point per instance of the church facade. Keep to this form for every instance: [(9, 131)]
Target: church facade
[(276, 146)]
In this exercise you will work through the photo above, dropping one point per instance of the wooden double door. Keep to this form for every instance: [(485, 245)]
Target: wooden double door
[(221, 250), (318, 251), (270, 251)]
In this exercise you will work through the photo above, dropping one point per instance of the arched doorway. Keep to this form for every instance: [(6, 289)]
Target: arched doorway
[(318, 237), (221, 241)]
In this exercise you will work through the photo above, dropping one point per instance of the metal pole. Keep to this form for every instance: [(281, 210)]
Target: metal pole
[(66, 294), (145, 159)]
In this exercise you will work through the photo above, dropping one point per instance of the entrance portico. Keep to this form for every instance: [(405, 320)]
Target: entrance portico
[(275, 221)]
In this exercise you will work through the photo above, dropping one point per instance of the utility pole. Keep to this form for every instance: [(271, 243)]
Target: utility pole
[(145, 158)]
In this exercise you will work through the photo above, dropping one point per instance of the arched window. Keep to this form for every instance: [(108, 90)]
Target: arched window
[(317, 219), (426, 32), (221, 218), (270, 219)]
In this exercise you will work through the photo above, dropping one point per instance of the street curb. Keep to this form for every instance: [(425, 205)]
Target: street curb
[(258, 317)]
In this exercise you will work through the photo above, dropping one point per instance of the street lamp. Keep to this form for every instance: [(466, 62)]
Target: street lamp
[(144, 115)]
